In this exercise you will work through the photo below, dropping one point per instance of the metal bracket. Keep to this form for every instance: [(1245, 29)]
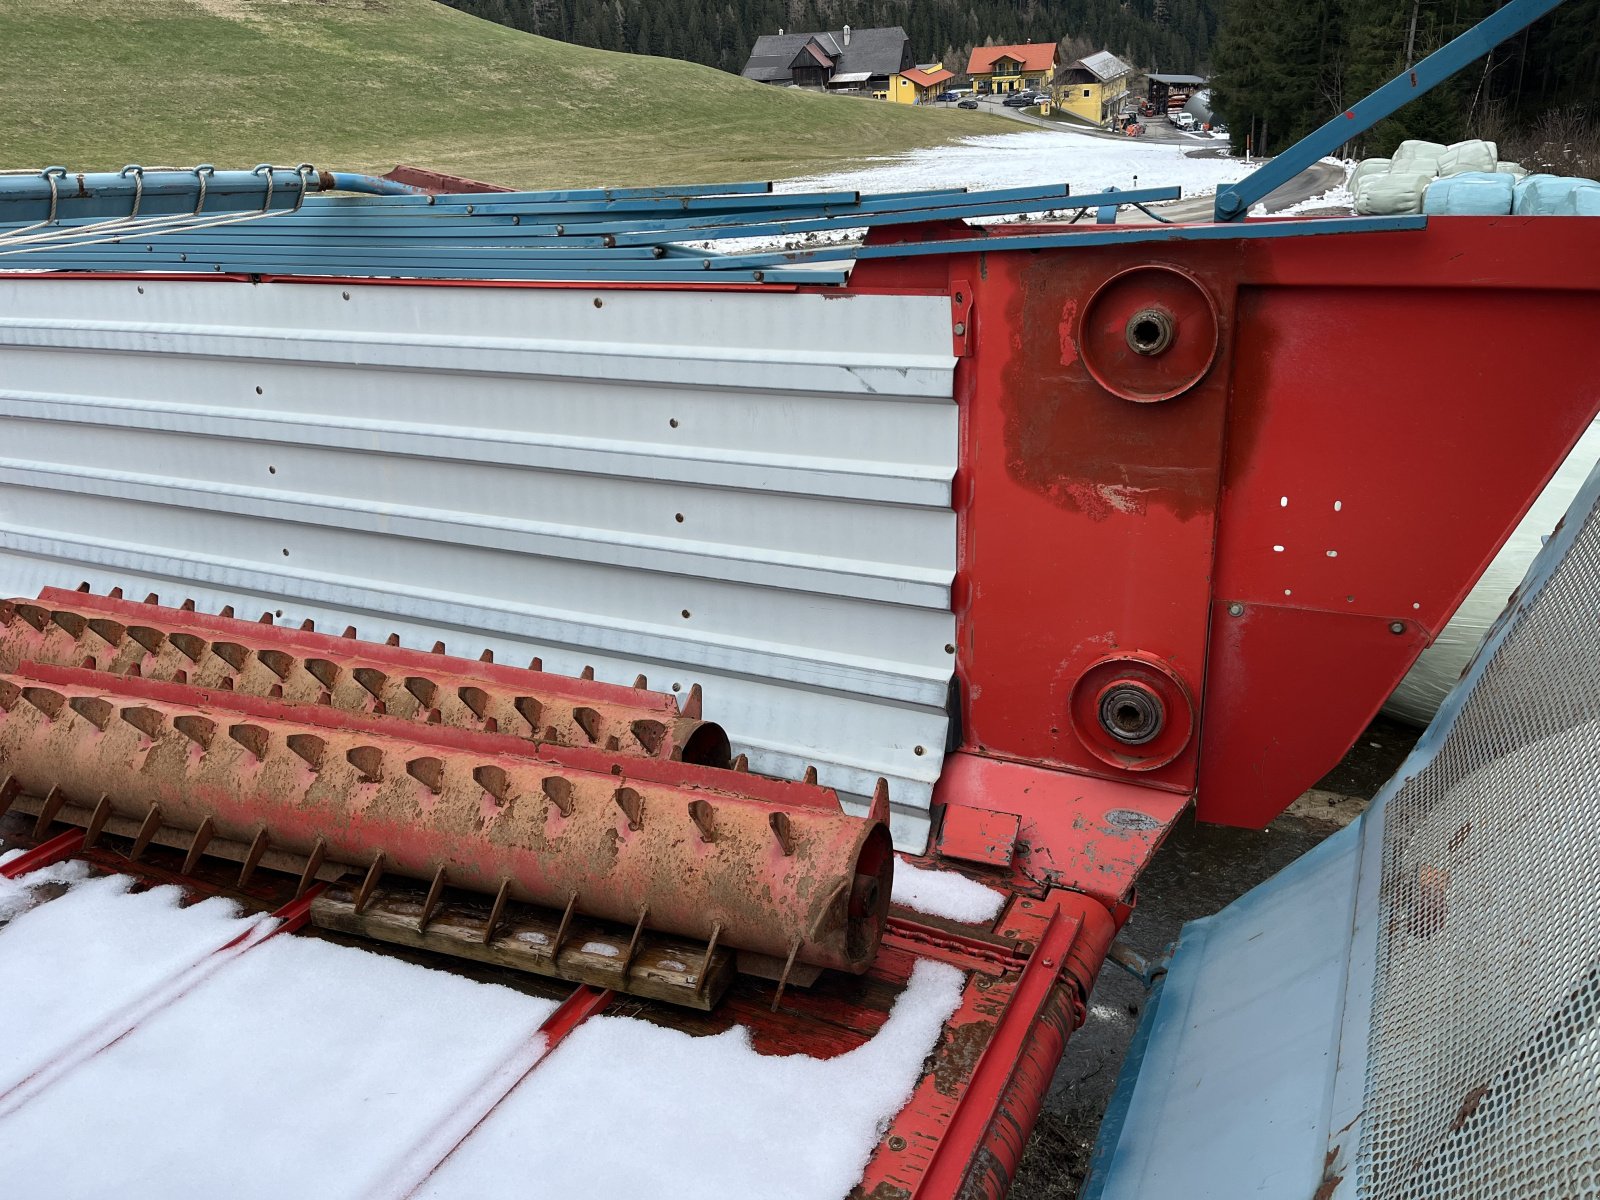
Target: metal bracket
[(960, 318)]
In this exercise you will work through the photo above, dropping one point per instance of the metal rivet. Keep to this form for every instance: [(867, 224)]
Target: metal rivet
[(1236, 610), (1397, 627), (918, 750)]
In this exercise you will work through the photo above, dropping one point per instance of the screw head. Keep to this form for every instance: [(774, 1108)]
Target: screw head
[(961, 328), (1397, 627), (1236, 609)]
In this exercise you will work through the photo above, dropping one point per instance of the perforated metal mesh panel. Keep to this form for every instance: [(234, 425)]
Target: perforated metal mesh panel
[(1483, 1075)]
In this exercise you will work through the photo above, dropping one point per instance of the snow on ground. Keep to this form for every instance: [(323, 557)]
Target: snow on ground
[(299, 1069), (627, 1109), (296, 1067), (1008, 160), (944, 894), (73, 965)]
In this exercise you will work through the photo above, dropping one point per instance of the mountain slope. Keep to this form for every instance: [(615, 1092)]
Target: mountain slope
[(362, 84)]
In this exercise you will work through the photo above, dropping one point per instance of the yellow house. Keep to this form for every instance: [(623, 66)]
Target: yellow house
[(919, 85), (1093, 88), (996, 69)]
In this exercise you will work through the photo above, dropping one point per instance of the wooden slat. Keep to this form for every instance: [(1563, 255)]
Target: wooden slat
[(663, 968)]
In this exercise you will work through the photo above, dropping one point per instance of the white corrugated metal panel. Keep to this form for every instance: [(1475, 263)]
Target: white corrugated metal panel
[(746, 490)]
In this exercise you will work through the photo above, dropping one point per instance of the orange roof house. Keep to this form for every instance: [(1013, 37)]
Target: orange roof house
[(1013, 68)]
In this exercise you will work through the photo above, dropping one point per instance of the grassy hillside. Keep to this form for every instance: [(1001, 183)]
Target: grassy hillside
[(363, 84)]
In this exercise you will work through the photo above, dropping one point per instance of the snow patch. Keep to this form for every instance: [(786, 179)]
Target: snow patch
[(1008, 160), (19, 895), (76, 963), (603, 949), (299, 1069), (708, 1107), (944, 894)]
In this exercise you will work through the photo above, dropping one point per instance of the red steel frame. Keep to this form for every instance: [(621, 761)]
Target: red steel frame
[(1270, 547)]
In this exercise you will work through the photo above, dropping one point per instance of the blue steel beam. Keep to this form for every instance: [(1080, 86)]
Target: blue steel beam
[(866, 217), (1234, 201), (1093, 235)]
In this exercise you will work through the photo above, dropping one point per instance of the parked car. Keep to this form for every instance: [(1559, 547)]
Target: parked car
[(1019, 100), (947, 97), (969, 102)]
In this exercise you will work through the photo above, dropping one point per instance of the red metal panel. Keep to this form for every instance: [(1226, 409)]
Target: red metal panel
[(1384, 443), (1092, 835), (1385, 373), (979, 835)]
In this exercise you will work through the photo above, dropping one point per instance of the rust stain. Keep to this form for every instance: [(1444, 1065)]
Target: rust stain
[(1469, 1105), (1084, 449), (957, 1058), (1328, 1187)]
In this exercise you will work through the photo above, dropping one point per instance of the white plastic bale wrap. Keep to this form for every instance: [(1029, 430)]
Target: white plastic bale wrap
[(1516, 170), (1424, 688), (1392, 194), (1472, 155), (1366, 169), (1412, 156), (1470, 194)]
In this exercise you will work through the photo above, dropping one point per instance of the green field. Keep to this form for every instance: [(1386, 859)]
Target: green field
[(363, 84)]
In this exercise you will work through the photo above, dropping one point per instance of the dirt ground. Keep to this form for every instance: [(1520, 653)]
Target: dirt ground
[(1200, 869)]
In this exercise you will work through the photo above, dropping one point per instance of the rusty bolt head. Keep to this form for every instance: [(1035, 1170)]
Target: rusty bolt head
[(961, 328), (896, 1142)]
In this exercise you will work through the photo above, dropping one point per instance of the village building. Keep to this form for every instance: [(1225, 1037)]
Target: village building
[(1169, 93), (920, 85), (998, 69), (840, 60), (1093, 88)]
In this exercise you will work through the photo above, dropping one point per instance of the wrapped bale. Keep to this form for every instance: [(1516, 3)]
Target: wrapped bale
[(1461, 157), (1366, 169), (1510, 168), (1392, 194), (1470, 194), (1585, 199), (1413, 156), (1550, 196)]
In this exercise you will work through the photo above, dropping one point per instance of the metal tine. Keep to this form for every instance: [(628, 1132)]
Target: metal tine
[(372, 680), (692, 706), (783, 830), (368, 760), (879, 809), (633, 942), (705, 963), (530, 710), (561, 930), (97, 822), (252, 857), (369, 883), (313, 865), (810, 775), (52, 805), (741, 764), (48, 702), (425, 691), (94, 709), (9, 791), (151, 639), (632, 806), (73, 623), (589, 721), (147, 830), (435, 890), (559, 791), (586, 673), (497, 911), (199, 730), (197, 847), (783, 980), (705, 819)]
